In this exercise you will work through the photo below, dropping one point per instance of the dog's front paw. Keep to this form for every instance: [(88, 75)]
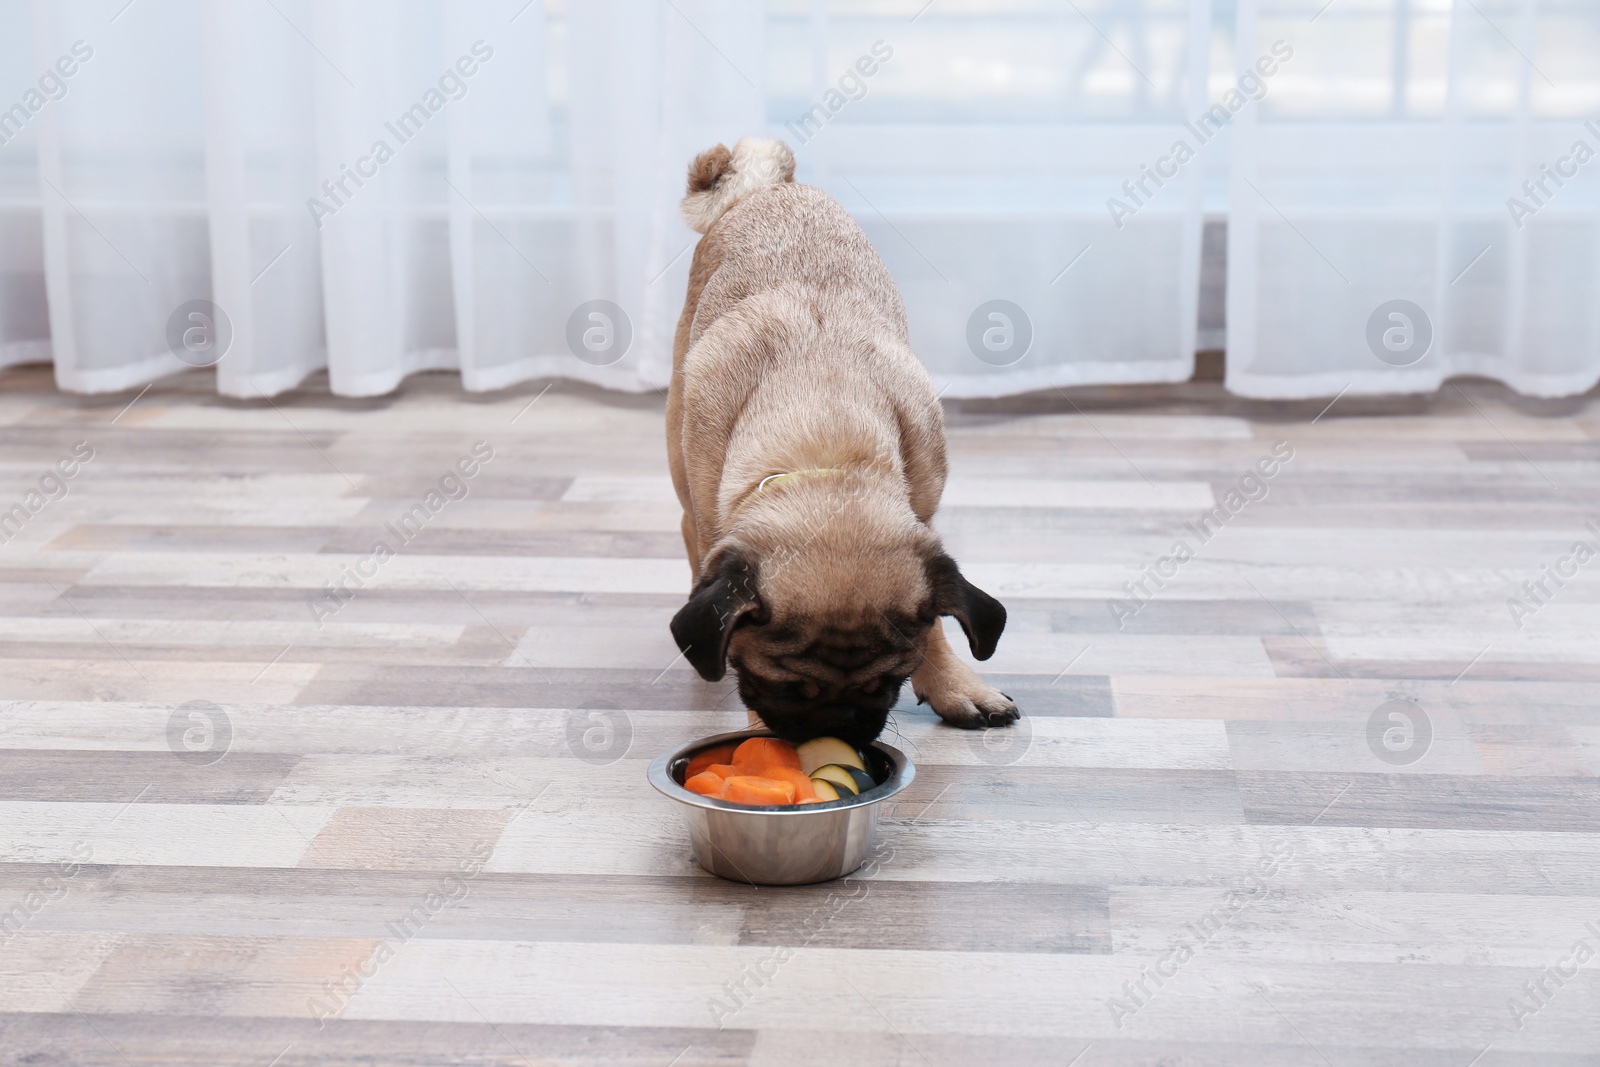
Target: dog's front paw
[(973, 708)]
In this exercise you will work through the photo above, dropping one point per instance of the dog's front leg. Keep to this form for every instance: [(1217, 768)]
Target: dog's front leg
[(954, 689)]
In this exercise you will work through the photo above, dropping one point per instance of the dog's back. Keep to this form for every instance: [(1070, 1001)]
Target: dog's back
[(793, 332), (795, 238)]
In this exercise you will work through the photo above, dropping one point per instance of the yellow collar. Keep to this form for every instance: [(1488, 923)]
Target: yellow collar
[(790, 474)]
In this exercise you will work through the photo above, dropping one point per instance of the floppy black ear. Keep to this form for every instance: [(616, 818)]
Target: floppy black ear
[(725, 592), (981, 616)]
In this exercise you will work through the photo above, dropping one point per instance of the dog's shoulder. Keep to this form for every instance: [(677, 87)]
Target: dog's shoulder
[(796, 238), (795, 213)]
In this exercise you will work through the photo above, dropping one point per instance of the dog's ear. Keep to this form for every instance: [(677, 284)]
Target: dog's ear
[(724, 596), (981, 616)]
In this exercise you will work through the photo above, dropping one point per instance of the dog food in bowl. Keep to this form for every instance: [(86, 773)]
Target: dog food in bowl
[(762, 827), (767, 771)]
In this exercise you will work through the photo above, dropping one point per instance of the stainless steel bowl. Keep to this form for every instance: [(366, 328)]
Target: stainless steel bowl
[(780, 845)]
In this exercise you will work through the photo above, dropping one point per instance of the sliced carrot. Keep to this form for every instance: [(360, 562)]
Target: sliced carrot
[(803, 790), (760, 754), (705, 783), (703, 760), (749, 789), (724, 770)]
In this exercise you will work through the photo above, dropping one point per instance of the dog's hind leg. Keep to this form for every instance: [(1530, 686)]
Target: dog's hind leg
[(954, 689)]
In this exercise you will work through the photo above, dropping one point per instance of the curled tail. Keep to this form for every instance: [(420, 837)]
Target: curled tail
[(719, 179)]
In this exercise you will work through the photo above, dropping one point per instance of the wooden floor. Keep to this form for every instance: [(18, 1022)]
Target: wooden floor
[(1320, 801)]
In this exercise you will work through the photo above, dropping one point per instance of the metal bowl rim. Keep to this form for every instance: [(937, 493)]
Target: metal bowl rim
[(903, 774)]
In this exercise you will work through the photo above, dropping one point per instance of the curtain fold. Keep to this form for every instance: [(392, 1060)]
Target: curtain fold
[(490, 188), (121, 191), (1383, 242), (266, 265)]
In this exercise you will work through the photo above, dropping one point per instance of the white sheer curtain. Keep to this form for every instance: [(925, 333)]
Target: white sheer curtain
[(1013, 160), (206, 151), (1387, 164), (981, 159)]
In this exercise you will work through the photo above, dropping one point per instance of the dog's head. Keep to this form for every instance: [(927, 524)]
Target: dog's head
[(823, 623)]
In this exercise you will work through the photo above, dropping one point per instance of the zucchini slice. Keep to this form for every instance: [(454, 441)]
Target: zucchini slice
[(826, 790), (821, 751), (840, 777), (863, 780)]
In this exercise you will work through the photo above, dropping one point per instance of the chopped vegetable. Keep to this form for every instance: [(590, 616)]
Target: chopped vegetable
[(821, 751), (841, 778), (703, 760), (760, 754), (803, 789), (863, 780), (705, 783), (748, 789), (770, 771), (826, 790)]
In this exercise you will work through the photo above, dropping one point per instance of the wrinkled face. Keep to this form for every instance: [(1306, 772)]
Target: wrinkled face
[(811, 677), (833, 635), (824, 622)]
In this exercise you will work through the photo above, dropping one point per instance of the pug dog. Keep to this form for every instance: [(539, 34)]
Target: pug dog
[(807, 448)]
